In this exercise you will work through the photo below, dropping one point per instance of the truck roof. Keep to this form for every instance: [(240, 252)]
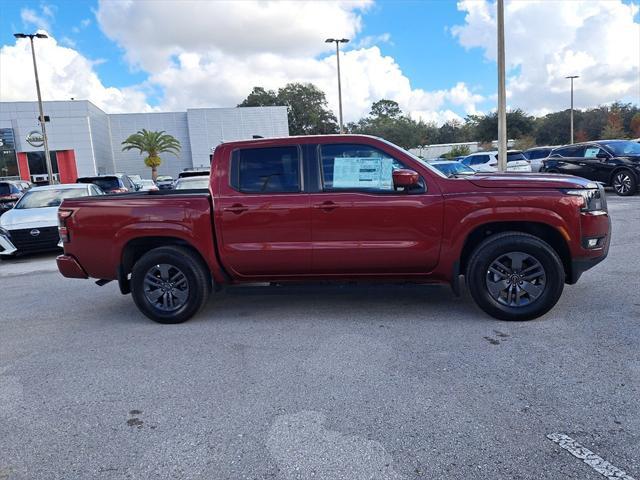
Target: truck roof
[(296, 139)]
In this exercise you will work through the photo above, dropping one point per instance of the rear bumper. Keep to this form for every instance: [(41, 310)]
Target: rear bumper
[(69, 267)]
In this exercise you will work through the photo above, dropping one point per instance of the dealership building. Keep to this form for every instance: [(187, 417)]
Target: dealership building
[(85, 140)]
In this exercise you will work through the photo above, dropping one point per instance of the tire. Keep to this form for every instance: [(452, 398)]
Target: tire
[(179, 280), (525, 293), (624, 183)]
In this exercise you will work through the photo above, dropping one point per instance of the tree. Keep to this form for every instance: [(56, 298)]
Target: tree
[(457, 151), (153, 144), (386, 120), (519, 124), (259, 97), (634, 126), (614, 128), (308, 113)]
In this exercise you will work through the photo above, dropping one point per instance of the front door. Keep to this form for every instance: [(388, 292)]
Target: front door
[(263, 214), (361, 225)]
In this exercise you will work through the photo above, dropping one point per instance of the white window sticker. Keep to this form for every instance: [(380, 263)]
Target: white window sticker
[(591, 152), (363, 172)]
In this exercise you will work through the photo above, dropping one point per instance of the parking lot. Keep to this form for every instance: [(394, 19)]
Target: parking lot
[(329, 382)]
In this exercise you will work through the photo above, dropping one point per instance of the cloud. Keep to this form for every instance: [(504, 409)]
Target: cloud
[(198, 62), (547, 41), (64, 73), (31, 17)]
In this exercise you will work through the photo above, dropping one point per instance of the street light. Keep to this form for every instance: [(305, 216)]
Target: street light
[(47, 157), (338, 41), (571, 77), (502, 93)]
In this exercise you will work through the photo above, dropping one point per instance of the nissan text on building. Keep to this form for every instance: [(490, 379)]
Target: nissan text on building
[(84, 140)]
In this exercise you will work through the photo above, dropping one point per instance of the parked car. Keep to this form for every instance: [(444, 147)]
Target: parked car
[(32, 225), (192, 183), (452, 168), (194, 172), (615, 163), (10, 193), (535, 156), (340, 207), (113, 183), (164, 182), (488, 161), (147, 185)]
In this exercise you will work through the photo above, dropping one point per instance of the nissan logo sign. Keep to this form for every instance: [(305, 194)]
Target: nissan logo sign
[(35, 232), (35, 139)]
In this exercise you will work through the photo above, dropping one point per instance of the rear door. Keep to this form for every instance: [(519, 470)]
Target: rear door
[(361, 225), (263, 213), (571, 161)]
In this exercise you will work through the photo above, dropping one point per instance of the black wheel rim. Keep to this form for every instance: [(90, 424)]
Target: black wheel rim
[(622, 183), (166, 287), (516, 279)]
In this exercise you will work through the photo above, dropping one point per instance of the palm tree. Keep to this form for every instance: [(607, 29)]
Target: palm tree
[(153, 144)]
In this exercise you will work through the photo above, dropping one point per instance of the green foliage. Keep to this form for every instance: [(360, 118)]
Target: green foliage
[(153, 144), (457, 151), (308, 112), (386, 120)]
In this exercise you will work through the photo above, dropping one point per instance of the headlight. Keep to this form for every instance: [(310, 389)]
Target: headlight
[(593, 199), (4, 232)]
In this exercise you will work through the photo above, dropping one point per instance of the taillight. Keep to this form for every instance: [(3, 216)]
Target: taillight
[(63, 214)]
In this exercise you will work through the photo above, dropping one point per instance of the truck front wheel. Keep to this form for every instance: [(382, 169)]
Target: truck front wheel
[(170, 284), (515, 276)]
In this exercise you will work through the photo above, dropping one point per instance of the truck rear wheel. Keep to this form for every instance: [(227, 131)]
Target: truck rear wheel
[(170, 284), (515, 276)]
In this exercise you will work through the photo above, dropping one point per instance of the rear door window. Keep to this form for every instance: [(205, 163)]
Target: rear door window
[(266, 170), (571, 151)]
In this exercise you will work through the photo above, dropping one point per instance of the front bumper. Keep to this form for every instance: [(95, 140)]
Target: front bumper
[(592, 227), (7, 247)]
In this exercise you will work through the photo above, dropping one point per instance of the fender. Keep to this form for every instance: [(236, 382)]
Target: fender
[(200, 239), (457, 235)]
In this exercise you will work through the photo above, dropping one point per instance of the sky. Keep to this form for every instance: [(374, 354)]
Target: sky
[(436, 58)]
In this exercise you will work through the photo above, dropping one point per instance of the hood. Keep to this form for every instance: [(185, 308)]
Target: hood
[(16, 219), (529, 180)]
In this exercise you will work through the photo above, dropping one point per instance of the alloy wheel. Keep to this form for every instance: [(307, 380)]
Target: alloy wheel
[(516, 279), (166, 287), (622, 183)]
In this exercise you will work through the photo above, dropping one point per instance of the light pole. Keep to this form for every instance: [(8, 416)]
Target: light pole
[(338, 41), (47, 157), (571, 77), (502, 93)]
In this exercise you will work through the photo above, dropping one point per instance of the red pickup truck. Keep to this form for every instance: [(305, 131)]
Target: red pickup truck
[(339, 207)]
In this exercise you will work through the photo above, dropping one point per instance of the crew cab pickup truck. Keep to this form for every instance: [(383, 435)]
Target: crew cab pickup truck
[(336, 208)]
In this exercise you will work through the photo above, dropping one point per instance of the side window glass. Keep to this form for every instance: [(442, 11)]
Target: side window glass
[(591, 152), (357, 167), (266, 170)]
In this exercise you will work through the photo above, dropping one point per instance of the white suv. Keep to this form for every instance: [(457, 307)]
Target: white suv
[(488, 161)]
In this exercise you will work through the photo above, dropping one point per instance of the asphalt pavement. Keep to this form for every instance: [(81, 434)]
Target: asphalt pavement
[(326, 382)]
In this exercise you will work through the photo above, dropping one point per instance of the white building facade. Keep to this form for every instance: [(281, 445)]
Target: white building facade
[(84, 140)]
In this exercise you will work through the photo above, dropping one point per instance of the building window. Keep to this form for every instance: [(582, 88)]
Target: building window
[(38, 164), (8, 164)]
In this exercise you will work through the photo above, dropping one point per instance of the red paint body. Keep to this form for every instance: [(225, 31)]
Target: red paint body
[(319, 235)]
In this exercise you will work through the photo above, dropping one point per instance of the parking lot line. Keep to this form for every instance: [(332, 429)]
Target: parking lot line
[(599, 464)]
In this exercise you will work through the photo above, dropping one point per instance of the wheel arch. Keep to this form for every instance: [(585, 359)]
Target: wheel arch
[(545, 232), (135, 248)]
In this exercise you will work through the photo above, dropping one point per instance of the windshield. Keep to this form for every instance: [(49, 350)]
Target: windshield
[(192, 183), (514, 156), (164, 179), (49, 198), (622, 148), (454, 168), (105, 183), (5, 189)]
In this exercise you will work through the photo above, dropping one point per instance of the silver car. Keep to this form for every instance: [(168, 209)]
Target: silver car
[(32, 225)]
